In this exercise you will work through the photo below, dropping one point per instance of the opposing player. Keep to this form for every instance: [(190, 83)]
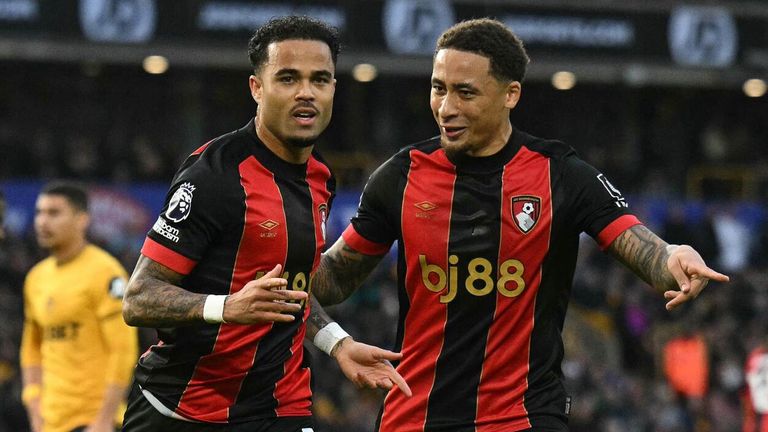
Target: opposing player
[(487, 220), (224, 272), (77, 354)]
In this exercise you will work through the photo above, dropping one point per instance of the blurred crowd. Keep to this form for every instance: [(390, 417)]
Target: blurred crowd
[(118, 124)]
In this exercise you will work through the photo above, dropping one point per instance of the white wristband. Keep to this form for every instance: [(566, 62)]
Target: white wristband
[(328, 336), (213, 310)]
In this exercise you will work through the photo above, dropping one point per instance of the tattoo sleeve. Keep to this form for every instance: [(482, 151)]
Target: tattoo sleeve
[(645, 254), (340, 273), (318, 318), (154, 299)]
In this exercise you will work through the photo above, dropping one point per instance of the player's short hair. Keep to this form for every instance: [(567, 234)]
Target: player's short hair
[(290, 27), (73, 192), (491, 39)]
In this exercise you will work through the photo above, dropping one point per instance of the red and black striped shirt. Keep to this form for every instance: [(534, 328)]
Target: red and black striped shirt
[(234, 211), (487, 250)]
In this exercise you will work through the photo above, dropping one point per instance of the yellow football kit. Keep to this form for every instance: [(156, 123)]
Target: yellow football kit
[(74, 331)]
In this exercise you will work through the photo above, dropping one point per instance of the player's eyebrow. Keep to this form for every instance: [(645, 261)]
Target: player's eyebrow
[(322, 74), (315, 74), (287, 71), (464, 86), (456, 86)]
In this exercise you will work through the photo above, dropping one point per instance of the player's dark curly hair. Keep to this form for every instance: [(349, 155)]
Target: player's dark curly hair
[(290, 27), (492, 39), (73, 192)]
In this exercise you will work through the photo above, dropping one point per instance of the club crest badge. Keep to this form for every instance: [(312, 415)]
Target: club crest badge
[(323, 210), (181, 203), (525, 212)]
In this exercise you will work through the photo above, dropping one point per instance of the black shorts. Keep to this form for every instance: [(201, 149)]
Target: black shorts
[(141, 416)]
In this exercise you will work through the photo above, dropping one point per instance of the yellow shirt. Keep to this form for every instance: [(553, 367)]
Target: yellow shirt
[(74, 330)]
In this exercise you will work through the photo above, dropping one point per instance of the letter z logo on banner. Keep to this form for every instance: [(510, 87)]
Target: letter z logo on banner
[(525, 212)]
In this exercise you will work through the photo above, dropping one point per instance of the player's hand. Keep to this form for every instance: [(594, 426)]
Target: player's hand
[(265, 299), (369, 366), (690, 273)]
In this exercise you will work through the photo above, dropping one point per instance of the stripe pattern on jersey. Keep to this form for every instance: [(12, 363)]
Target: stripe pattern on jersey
[(503, 386), (477, 316), (236, 344)]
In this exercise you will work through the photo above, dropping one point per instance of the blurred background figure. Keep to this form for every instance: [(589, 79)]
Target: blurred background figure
[(77, 354), (11, 410), (756, 389)]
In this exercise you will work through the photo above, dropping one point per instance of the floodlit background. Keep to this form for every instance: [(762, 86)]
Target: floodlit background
[(667, 98)]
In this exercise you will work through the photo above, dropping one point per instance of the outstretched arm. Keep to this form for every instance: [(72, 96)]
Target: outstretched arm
[(678, 271), (153, 298), (364, 365), (341, 271)]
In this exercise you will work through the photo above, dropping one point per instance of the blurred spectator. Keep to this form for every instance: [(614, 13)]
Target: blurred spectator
[(686, 365), (81, 160), (756, 391), (12, 417), (699, 233), (734, 240), (759, 252)]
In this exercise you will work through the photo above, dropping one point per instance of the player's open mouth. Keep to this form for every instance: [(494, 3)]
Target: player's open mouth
[(305, 117), (453, 132)]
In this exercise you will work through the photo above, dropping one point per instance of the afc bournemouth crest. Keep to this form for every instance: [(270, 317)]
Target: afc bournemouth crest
[(323, 210), (525, 212)]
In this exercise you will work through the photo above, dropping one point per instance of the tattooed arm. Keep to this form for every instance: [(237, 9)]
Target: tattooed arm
[(678, 271), (341, 271), (318, 319), (646, 255), (364, 365), (153, 298)]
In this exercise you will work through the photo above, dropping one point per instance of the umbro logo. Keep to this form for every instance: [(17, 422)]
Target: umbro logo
[(425, 208), (268, 225)]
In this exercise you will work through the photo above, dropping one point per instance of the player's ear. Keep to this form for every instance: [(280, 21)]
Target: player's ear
[(512, 91), (83, 220), (256, 86)]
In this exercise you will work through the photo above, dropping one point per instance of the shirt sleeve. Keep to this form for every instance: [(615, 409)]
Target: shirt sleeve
[(121, 340), (192, 218), (373, 228), (597, 207), (31, 335)]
